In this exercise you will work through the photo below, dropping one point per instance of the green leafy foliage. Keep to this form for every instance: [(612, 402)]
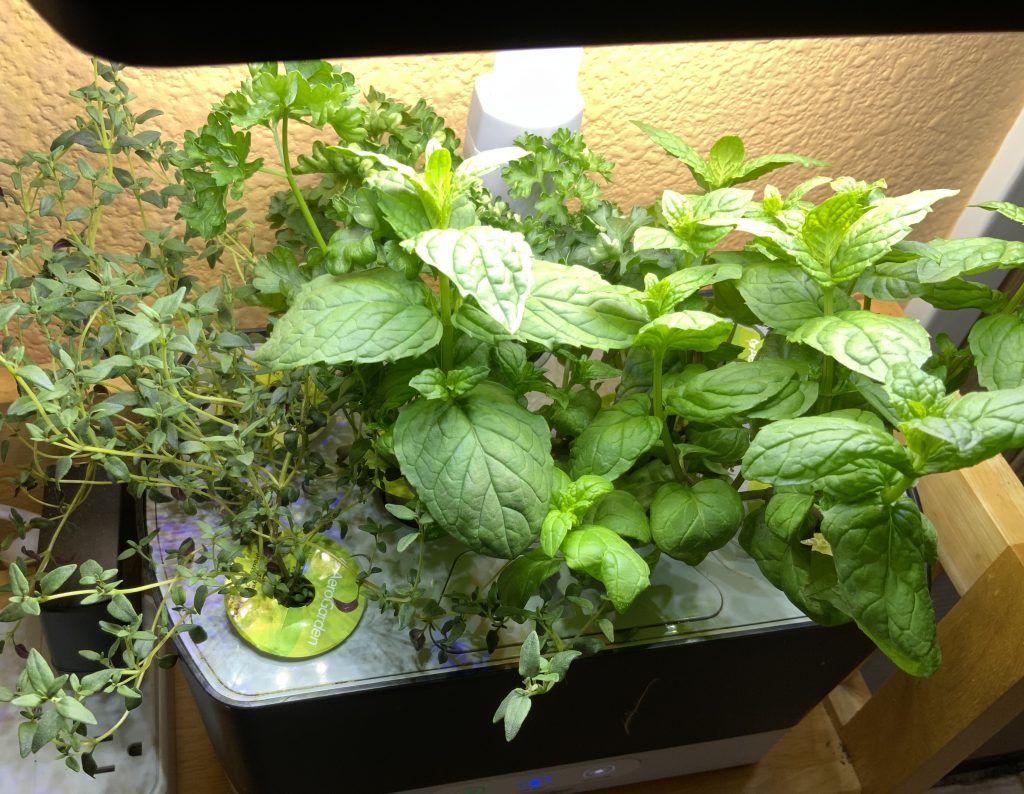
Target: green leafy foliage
[(482, 466), (688, 523), (880, 558), (365, 316)]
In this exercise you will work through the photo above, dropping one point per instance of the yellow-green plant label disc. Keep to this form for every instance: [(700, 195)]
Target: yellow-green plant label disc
[(301, 632)]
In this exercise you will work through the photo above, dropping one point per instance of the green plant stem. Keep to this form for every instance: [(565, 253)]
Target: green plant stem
[(659, 413), (447, 330), (827, 367), (282, 147), (598, 613), (125, 591), (1014, 302)]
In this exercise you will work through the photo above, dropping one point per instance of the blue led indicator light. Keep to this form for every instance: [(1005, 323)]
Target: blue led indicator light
[(534, 783)]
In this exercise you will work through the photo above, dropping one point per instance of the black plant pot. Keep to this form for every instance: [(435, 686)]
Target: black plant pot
[(98, 530)]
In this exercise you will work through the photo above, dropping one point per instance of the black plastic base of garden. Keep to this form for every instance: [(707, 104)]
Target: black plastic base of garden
[(622, 702)]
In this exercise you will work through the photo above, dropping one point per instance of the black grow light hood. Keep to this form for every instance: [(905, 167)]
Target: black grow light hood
[(183, 34)]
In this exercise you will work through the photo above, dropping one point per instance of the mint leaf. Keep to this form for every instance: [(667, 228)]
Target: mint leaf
[(731, 390), (946, 259), (572, 305), (688, 523), (880, 553), (602, 554), (772, 536), (884, 224), (759, 166), (784, 296), (616, 437), (491, 265), (363, 316), (1012, 211), (725, 159), (997, 343), (683, 283), (679, 149), (866, 342), (803, 451), (481, 465), (687, 330)]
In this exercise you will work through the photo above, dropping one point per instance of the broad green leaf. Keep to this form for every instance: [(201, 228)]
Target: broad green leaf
[(622, 513), (805, 450), (1012, 211), (363, 316), (688, 523), (400, 204), (772, 537), (941, 443), (715, 214), (493, 266), (997, 415), (653, 238), (827, 225), (890, 281), (880, 553), (730, 390), (887, 222), (520, 579), (687, 330), (725, 160), (556, 526), (434, 384), (866, 342), (676, 209), (796, 398), (614, 440), (784, 297), (679, 149), (602, 554), (958, 293), (997, 343), (759, 166), (482, 164), (481, 465), (913, 392), (683, 283), (572, 305), (949, 258), (475, 322)]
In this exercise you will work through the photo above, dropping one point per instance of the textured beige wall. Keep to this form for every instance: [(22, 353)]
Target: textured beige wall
[(927, 111)]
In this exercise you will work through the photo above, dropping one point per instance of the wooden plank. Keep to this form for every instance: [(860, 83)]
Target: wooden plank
[(196, 766), (843, 702), (914, 730), (978, 512), (808, 760)]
